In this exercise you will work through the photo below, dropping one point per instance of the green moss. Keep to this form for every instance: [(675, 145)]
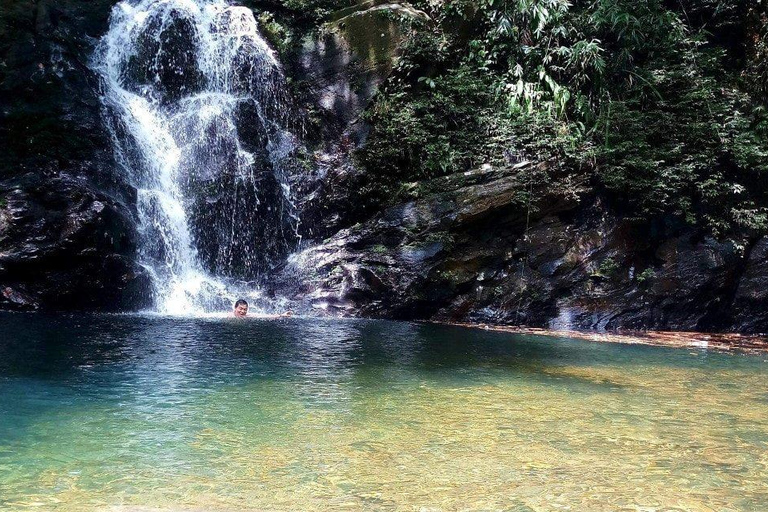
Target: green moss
[(428, 240), (608, 269), (452, 277), (373, 37), (379, 249), (645, 277)]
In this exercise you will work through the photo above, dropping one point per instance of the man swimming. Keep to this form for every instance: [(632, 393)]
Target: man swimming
[(241, 308), (241, 311)]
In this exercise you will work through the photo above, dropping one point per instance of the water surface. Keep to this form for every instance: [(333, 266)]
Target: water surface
[(120, 412)]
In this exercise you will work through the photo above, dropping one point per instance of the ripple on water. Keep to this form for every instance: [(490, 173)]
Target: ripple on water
[(135, 414)]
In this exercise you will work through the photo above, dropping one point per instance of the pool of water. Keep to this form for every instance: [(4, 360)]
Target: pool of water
[(147, 413)]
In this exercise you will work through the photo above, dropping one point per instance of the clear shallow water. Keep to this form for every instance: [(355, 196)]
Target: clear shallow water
[(142, 413)]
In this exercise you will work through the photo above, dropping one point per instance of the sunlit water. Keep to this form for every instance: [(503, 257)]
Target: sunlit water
[(141, 413)]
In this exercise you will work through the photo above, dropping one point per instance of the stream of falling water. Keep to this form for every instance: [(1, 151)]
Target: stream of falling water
[(196, 104)]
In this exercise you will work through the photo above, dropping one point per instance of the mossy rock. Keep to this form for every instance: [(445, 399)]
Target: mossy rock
[(373, 34), (346, 62)]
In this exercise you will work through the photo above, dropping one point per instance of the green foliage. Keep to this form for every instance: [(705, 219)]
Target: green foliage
[(662, 104), (438, 132), (608, 268), (694, 155), (431, 122), (645, 277), (278, 35), (312, 10), (756, 73)]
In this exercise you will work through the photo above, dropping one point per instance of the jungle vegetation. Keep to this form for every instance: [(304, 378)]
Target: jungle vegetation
[(661, 104)]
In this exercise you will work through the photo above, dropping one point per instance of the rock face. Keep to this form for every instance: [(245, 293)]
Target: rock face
[(64, 246), (351, 56), (66, 237), (492, 245), (479, 251), (340, 68)]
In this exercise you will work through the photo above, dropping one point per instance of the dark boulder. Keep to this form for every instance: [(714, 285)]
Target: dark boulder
[(472, 249), (66, 236), (165, 57), (64, 246)]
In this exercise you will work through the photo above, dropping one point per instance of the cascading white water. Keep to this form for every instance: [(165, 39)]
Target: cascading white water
[(196, 103)]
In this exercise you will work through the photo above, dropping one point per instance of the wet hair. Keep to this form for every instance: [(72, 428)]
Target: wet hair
[(241, 302)]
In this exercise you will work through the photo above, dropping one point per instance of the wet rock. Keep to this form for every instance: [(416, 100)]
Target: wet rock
[(412, 258), (63, 246), (14, 299), (470, 250), (750, 303), (66, 236), (166, 56)]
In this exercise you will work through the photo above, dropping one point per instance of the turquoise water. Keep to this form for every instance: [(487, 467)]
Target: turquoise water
[(150, 413)]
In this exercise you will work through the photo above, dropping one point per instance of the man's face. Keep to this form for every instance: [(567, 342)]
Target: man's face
[(241, 310)]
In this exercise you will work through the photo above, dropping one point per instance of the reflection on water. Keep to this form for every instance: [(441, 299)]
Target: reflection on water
[(141, 413)]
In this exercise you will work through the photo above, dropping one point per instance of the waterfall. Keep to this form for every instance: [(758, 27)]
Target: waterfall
[(201, 124)]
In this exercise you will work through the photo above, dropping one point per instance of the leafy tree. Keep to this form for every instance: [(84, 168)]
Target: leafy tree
[(648, 98)]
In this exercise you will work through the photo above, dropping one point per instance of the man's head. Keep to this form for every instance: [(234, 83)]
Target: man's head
[(241, 308)]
